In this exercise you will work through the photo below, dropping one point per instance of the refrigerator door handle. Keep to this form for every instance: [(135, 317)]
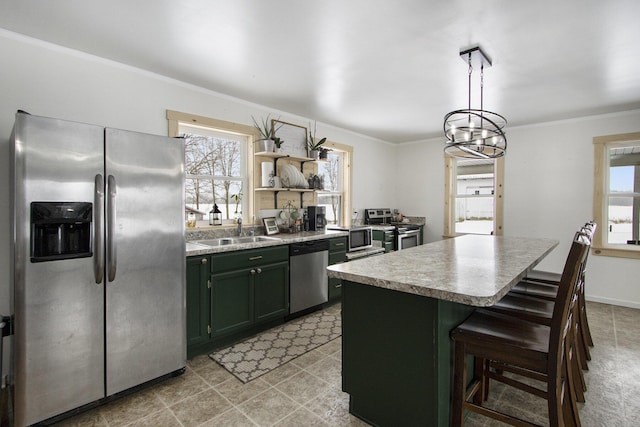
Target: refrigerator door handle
[(111, 227), (98, 211)]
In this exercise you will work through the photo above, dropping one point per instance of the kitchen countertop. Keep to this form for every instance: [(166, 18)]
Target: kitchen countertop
[(194, 249), (473, 270)]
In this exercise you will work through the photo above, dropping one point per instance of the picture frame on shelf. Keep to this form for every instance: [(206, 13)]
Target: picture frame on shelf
[(270, 225), (294, 137)]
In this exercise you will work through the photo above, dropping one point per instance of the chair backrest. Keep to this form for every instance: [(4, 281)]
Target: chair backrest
[(571, 275), (588, 231)]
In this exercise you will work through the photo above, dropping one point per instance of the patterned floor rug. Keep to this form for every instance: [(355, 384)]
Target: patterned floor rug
[(264, 352)]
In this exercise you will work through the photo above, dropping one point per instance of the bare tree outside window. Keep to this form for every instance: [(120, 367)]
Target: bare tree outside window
[(214, 172), (332, 195)]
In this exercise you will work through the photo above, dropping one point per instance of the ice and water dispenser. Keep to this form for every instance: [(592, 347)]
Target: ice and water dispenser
[(60, 230)]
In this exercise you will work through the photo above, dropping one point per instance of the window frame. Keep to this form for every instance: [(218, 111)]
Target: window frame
[(347, 157), (450, 197), (175, 118), (340, 191), (601, 145)]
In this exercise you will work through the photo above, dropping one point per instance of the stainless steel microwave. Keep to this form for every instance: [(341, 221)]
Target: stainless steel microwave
[(360, 238)]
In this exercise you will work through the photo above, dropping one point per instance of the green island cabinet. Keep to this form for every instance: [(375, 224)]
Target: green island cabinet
[(337, 255), (235, 294)]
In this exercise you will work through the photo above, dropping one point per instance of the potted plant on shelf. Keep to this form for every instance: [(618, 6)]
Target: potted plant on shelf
[(324, 152), (278, 143), (314, 144), (267, 134)]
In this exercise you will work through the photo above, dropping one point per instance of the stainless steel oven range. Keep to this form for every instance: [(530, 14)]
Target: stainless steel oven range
[(406, 235)]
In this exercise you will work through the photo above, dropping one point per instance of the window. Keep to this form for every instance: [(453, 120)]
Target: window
[(617, 195), (331, 173), (473, 199), (217, 170), (215, 163)]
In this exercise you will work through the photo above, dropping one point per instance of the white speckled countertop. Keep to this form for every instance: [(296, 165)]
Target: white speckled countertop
[(472, 269), (194, 249)]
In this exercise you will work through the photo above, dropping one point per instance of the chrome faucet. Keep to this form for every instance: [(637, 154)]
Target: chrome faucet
[(239, 226)]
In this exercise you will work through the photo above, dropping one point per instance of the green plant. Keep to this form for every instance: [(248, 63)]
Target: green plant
[(312, 142), (278, 141), (266, 129)]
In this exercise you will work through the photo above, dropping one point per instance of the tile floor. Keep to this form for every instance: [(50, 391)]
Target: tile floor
[(306, 391)]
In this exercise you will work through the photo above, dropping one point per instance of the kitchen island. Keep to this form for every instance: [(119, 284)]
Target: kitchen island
[(398, 310)]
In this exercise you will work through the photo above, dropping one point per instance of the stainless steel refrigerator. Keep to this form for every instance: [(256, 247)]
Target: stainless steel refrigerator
[(98, 263)]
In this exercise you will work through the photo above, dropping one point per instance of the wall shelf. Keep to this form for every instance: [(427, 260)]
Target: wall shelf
[(276, 157)]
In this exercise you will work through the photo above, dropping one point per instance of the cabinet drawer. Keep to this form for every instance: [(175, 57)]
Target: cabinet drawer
[(338, 244), (337, 257), (249, 258)]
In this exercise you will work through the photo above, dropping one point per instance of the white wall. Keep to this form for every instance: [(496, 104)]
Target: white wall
[(548, 192), (48, 80)]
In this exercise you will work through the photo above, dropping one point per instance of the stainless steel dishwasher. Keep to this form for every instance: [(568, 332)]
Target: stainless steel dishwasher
[(308, 274)]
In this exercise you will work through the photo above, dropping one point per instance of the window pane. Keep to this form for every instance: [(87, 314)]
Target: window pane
[(474, 215), (331, 172), (199, 194), (621, 179), (199, 197), (474, 196), (333, 205), (620, 212), (206, 155), (214, 169)]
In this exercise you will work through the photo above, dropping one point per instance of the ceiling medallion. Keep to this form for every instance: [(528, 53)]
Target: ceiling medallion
[(472, 133)]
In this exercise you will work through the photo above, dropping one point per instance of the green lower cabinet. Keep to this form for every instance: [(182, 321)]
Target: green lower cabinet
[(231, 301), (271, 292), (337, 255), (234, 294), (385, 237), (198, 301)]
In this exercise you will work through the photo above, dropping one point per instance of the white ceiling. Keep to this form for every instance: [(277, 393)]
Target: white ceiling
[(388, 69)]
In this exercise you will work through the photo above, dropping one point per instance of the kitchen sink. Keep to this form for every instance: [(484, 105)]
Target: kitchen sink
[(226, 241)]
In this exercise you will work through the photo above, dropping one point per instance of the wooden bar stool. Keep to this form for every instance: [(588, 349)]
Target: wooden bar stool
[(535, 349), (542, 284)]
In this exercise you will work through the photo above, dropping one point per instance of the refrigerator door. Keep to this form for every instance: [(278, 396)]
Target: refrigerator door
[(145, 268), (58, 306)]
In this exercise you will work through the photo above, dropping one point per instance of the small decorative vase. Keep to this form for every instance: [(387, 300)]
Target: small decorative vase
[(314, 154), (266, 145)]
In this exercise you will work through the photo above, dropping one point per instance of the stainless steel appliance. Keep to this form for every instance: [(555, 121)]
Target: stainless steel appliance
[(377, 216), (317, 218), (359, 237), (309, 285), (406, 235), (98, 263)]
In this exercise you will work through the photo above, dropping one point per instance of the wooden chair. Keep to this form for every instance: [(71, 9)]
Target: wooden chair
[(544, 285), (521, 346)]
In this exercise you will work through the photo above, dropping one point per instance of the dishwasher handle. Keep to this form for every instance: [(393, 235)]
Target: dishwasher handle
[(302, 248)]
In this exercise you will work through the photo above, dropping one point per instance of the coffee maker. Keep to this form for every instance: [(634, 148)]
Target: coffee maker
[(317, 218)]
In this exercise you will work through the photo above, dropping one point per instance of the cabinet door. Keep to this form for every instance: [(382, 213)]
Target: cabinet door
[(231, 301), (271, 291), (335, 288), (198, 300)]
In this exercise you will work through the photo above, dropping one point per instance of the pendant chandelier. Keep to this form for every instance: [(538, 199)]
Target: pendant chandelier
[(472, 133)]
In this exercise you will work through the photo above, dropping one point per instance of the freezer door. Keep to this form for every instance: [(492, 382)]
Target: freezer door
[(145, 268), (58, 306)]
